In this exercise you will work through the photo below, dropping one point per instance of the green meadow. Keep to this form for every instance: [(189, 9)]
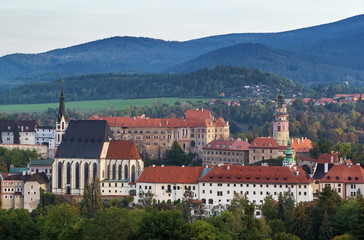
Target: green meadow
[(87, 106)]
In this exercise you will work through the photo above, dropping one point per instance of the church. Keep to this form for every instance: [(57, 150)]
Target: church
[(87, 151)]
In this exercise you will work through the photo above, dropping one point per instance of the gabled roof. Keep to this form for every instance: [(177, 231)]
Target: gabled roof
[(320, 170), (171, 174), (301, 144), (198, 114), (328, 158), (220, 122), (3, 176), (227, 145), (256, 174), (84, 139), (122, 149), (344, 174), (24, 126), (264, 142)]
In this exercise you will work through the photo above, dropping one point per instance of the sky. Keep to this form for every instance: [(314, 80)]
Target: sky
[(33, 26)]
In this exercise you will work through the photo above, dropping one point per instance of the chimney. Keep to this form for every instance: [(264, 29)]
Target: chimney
[(162, 165), (332, 159), (202, 109), (326, 167), (183, 166), (24, 173), (238, 139), (228, 167), (153, 165)]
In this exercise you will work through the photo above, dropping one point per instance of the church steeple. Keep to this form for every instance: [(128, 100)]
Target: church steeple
[(62, 109), (61, 124)]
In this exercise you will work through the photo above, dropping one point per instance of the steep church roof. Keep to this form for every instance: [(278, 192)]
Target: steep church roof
[(84, 139), (122, 149)]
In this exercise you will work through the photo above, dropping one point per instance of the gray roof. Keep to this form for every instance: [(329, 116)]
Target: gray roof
[(37, 177), (24, 126), (320, 170), (84, 139), (41, 162)]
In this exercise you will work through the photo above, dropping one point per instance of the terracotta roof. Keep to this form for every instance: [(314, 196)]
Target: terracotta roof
[(345, 174), (264, 142), (3, 176), (122, 149), (155, 122), (301, 144), (198, 114), (227, 145), (171, 174), (256, 174), (220, 122), (306, 159), (328, 158)]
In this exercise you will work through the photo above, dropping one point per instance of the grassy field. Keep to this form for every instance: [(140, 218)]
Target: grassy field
[(87, 106)]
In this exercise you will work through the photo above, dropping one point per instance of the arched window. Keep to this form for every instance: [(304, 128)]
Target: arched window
[(68, 173), (193, 143), (126, 173), (94, 172), (59, 175), (86, 174), (108, 172), (77, 176), (203, 201), (211, 201), (113, 172), (62, 125), (119, 172), (133, 174)]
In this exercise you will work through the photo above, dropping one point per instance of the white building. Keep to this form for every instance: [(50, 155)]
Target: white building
[(26, 130), (216, 187), (46, 135), (169, 182), (347, 180)]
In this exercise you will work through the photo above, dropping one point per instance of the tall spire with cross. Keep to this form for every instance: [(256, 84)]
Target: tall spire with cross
[(62, 109), (61, 124)]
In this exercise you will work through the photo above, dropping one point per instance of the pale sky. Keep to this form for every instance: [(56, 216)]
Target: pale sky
[(33, 26)]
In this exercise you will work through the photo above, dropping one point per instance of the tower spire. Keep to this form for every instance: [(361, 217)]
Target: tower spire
[(62, 109)]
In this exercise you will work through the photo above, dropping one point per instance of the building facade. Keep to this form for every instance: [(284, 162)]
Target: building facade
[(225, 151), (153, 136), (46, 135), (263, 148), (23, 190), (88, 152), (18, 132)]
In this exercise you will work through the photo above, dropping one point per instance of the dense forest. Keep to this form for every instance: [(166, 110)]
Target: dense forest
[(325, 219), (202, 83)]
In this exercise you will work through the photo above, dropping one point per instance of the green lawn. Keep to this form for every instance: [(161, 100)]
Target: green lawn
[(87, 106)]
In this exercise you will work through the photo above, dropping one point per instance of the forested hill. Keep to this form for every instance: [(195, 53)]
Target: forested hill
[(202, 83), (338, 43), (282, 62)]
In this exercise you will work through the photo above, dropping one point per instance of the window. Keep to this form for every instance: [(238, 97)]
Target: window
[(219, 193)]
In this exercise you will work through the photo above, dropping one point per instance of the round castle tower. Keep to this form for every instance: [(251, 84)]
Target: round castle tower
[(281, 122)]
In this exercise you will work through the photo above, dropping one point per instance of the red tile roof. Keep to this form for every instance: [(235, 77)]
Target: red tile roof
[(256, 174), (122, 149), (198, 114), (344, 174), (227, 145), (301, 145), (171, 174), (155, 122), (328, 158), (220, 122), (264, 142)]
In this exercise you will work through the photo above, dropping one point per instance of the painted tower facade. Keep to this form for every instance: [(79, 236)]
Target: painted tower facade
[(281, 122), (61, 124)]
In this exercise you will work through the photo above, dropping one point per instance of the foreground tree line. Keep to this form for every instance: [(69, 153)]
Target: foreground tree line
[(329, 217)]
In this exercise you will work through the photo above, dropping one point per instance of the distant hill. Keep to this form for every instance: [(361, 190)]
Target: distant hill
[(268, 59), (332, 44), (205, 83)]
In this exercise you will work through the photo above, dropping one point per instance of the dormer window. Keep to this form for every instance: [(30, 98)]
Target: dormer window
[(255, 144), (217, 146), (270, 144)]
